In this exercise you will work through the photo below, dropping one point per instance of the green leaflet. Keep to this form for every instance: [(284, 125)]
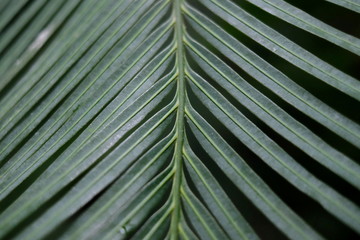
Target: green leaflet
[(350, 4), (144, 119)]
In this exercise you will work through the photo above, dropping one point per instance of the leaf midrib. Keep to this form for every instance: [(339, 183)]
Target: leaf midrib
[(180, 98)]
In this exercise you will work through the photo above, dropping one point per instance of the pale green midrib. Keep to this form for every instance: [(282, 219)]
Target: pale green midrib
[(180, 94)]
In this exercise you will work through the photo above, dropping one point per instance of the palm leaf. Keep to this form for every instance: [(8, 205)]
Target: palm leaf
[(157, 119)]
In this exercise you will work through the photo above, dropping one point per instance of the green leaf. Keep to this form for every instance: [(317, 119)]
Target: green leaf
[(176, 119)]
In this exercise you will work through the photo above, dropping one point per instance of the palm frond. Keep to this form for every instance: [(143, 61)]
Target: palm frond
[(147, 119)]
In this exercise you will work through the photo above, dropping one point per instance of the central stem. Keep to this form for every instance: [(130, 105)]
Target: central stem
[(179, 31)]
